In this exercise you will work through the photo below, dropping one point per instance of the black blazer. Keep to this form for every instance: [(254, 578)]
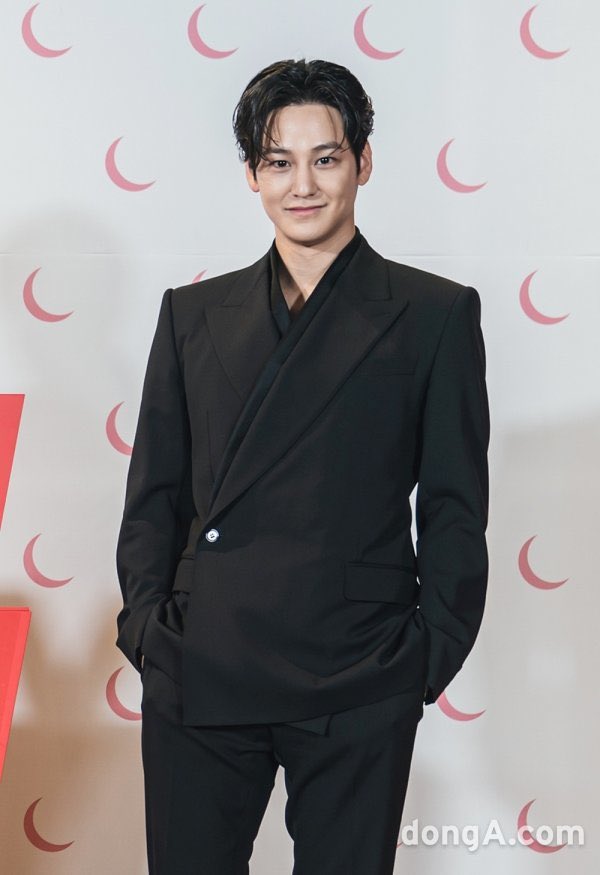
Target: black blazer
[(270, 569)]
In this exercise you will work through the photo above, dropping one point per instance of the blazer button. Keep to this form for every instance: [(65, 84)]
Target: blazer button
[(212, 535)]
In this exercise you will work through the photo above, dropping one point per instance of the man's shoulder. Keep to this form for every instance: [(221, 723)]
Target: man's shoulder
[(213, 290), (422, 285), (425, 288)]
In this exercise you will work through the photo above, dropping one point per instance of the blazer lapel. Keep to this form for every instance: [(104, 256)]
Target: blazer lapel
[(357, 310), (242, 328)]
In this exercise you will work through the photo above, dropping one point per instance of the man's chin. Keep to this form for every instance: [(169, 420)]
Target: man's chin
[(306, 233)]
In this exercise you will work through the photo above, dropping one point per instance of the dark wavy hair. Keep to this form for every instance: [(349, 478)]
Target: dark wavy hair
[(289, 82)]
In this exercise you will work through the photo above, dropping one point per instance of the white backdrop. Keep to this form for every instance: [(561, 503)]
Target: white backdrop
[(76, 240)]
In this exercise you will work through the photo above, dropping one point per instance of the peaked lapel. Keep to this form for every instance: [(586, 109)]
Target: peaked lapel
[(357, 310), (242, 328)]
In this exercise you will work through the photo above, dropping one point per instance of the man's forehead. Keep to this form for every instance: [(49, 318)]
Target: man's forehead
[(332, 138), (334, 134)]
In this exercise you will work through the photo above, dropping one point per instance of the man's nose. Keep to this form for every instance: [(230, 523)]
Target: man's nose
[(303, 182)]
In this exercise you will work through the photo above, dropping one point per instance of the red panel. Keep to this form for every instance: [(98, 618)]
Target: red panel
[(14, 625), (10, 417)]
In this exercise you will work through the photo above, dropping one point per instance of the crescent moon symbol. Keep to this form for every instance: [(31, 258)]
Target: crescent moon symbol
[(530, 44), (33, 306), (33, 835), (33, 571), (529, 309), (363, 43), (115, 174), (115, 703), (32, 43), (532, 843), (529, 575), (112, 434), (450, 711), (197, 41), (447, 178)]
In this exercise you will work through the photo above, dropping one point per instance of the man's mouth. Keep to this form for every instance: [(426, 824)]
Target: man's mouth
[(305, 209)]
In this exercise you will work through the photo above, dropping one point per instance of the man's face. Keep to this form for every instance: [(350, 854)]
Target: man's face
[(305, 168)]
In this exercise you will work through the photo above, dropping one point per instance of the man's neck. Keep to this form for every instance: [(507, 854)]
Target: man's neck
[(302, 267)]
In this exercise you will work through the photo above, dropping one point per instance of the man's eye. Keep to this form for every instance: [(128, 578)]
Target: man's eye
[(280, 161)]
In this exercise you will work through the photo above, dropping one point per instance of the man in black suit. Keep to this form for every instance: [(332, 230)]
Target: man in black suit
[(272, 596)]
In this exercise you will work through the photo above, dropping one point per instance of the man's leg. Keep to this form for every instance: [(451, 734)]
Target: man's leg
[(346, 789), (207, 788)]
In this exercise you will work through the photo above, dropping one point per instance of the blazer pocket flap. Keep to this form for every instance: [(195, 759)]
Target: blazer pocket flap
[(382, 583), (395, 363)]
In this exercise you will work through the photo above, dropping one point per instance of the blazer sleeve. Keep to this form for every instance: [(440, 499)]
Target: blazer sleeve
[(158, 497), (452, 494)]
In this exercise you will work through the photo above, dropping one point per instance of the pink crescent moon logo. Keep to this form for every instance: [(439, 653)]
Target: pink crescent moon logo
[(530, 44), (528, 308), (115, 174), (529, 575), (33, 835), (113, 435), (197, 41), (32, 43), (525, 832), (447, 178), (33, 571), (363, 43), (115, 703), (33, 306), (452, 712)]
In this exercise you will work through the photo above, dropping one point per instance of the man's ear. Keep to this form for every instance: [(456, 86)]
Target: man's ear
[(366, 164), (250, 177)]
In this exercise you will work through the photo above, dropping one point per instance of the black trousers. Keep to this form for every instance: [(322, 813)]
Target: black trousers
[(207, 788)]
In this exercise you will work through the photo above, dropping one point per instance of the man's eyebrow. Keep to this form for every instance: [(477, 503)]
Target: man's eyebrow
[(333, 144)]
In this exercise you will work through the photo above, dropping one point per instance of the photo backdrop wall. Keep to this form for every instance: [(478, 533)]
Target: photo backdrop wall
[(120, 178)]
